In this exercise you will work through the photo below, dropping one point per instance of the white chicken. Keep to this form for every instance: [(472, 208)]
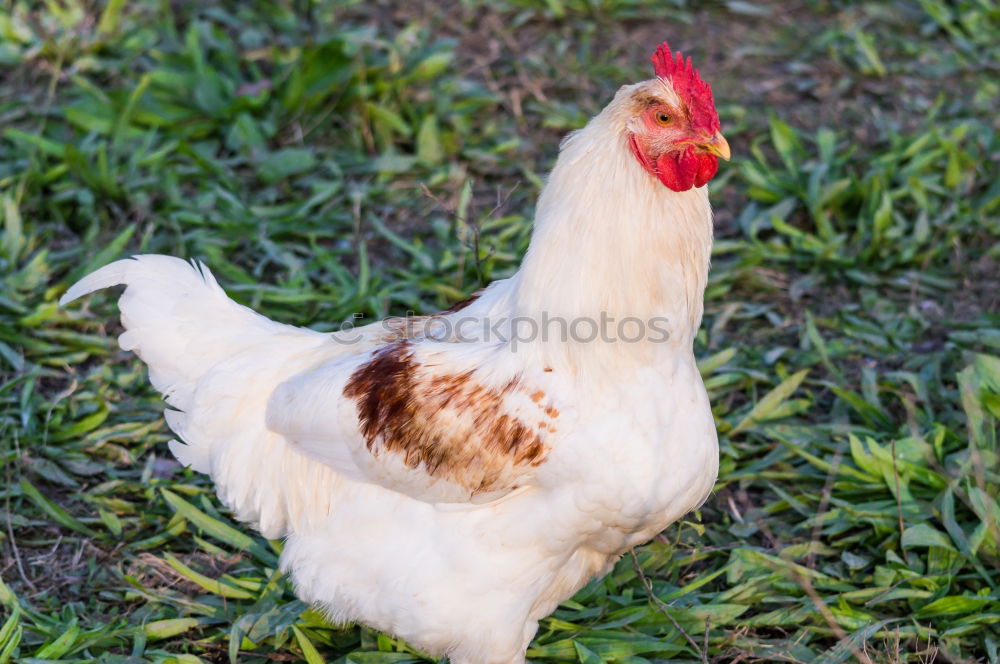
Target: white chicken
[(452, 479)]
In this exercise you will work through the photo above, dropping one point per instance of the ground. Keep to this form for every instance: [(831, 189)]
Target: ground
[(331, 158)]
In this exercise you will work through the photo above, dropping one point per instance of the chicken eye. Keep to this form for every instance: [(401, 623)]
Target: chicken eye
[(662, 119)]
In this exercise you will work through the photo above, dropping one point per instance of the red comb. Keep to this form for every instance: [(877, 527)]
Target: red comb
[(696, 93)]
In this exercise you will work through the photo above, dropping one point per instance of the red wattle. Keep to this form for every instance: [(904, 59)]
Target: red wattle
[(707, 167), (678, 170)]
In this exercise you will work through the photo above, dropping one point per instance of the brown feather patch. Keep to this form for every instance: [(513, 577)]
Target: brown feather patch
[(414, 328), (453, 426), (462, 304)]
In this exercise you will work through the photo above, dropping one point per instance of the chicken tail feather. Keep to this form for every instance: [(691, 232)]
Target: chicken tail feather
[(217, 362), (113, 274), (177, 319)]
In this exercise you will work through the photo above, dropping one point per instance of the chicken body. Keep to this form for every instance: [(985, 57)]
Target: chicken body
[(453, 491)]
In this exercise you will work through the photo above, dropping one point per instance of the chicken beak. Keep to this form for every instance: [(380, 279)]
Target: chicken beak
[(717, 145)]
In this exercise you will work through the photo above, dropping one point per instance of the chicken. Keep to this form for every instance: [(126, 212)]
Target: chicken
[(451, 479)]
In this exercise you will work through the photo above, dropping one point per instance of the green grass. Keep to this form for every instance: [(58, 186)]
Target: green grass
[(332, 158)]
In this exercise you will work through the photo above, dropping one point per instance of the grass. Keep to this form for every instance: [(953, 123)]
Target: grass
[(332, 158)]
